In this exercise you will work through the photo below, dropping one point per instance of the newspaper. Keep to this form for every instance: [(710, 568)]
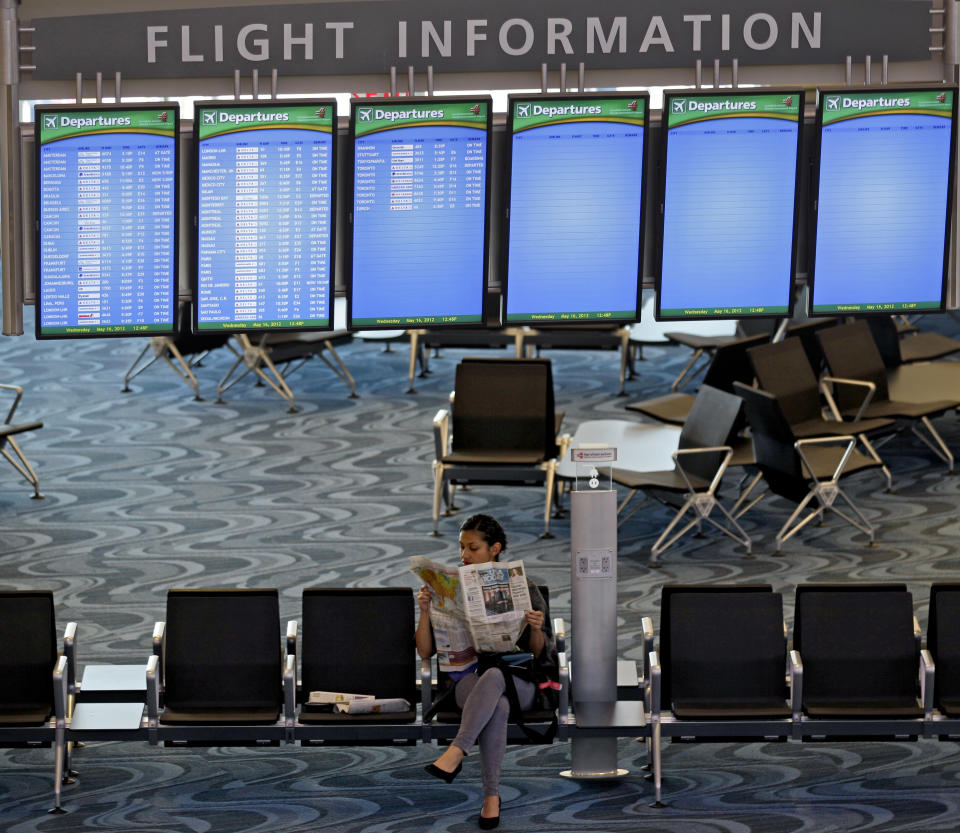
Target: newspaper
[(329, 698), (474, 608)]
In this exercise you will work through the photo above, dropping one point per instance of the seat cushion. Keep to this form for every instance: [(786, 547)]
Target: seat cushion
[(905, 410), (25, 715), (312, 714), (497, 457), (259, 717), (862, 709), (702, 709), (950, 706)]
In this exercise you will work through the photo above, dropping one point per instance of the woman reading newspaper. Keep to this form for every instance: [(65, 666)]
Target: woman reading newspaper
[(480, 690)]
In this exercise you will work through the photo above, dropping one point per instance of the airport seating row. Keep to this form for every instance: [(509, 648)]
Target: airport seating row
[(221, 674), (722, 667)]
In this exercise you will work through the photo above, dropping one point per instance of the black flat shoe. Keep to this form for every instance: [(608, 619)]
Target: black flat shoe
[(489, 823), (442, 774)]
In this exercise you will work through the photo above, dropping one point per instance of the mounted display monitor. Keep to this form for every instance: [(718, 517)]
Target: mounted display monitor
[(264, 215), (883, 200), (106, 202), (420, 192), (575, 208), (729, 204)]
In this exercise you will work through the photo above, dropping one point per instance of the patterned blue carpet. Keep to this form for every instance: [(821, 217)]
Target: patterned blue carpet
[(151, 490)]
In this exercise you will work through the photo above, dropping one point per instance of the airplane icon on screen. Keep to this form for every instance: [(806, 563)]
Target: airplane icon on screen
[(833, 103), (523, 111), (364, 115), (679, 105), (50, 121), (209, 118)]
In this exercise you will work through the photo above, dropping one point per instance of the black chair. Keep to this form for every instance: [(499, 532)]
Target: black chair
[(897, 349), (852, 355), (943, 643), (721, 666), (357, 641), (33, 678), (807, 331), (860, 661), (219, 668), (802, 470), (504, 431), (729, 364), (8, 445), (700, 462), (784, 370)]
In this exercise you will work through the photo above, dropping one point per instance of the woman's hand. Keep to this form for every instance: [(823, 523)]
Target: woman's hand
[(423, 599), (534, 619)]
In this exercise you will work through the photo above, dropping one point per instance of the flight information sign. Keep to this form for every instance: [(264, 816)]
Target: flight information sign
[(575, 213), (420, 185), (883, 200), (106, 197), (729, 204), (264, 215)]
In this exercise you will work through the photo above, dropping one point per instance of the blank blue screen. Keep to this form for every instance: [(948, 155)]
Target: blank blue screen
[(882, 211), (728, 216), (575, 220)]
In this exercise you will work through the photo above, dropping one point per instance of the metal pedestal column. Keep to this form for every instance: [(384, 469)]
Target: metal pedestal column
[(593, 545)]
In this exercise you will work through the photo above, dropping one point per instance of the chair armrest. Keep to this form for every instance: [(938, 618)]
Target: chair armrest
[(827, 381), (159, 643), (655, 682), (441, 433), (563, 443), (927, 671), (290, 694), (796, 684), (685, 452), (16, 400), (849, 439), (70, 652), (426, 684), (560, 633), (563, 672), (153, 698), (292, 640), (159, 631), (60, 692), (646, 623)]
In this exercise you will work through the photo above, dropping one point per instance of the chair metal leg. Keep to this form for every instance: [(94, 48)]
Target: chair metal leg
[(59, 755), (657, 768), (934, 442), (551, 469), (873, 453), (783, 535), (687, 374), (22, 465), (437, 489)]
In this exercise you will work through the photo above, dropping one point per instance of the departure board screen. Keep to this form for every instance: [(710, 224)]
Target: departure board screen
[(264, 222), (420, 183), (729, 204), (106, 180), (574, 221), (883, 200)]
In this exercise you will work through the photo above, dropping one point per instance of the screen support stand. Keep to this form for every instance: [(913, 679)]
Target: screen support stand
[(257, 358), (164, 347)]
